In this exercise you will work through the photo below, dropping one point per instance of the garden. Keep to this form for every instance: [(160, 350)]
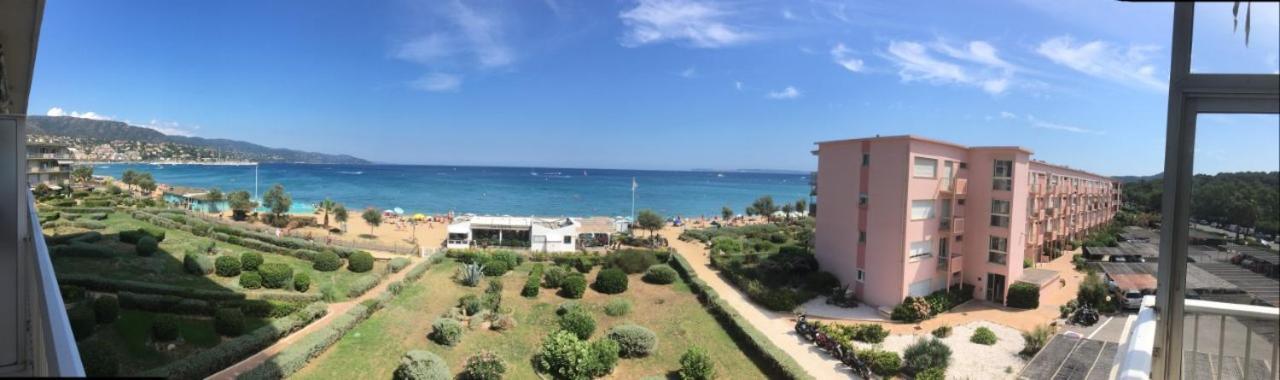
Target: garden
[(147, 287), (500, 314)]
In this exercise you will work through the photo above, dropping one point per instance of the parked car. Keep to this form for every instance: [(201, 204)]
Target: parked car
[(1131, 299)]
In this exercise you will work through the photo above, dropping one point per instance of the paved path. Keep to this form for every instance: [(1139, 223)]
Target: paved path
[(335, 309), (778, 327)]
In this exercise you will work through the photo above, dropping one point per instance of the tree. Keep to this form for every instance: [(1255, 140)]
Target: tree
[(82, 173), (340, 214), (129, 178), (240, 204), (650, 221), (802, 206), (277, 200), (326, 206), (762, 206), (788, 209), (372, 216), (214, 196), (147, 184), (726, 213)]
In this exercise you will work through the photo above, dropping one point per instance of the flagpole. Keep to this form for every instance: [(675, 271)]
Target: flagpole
[(633, 199)]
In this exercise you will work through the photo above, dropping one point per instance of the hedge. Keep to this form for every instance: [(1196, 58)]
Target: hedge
[(86, 237), (250, 280), (162, 303), (775, 362), (1024, 296), (106, 308), (227, 266), (532, 285), (418, 270), (79, 249), (275, 275), (397, 264), (96, 283), (229, 352), (362, 284)]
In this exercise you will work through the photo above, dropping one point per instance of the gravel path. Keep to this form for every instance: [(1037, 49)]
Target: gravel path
[(971, 360)]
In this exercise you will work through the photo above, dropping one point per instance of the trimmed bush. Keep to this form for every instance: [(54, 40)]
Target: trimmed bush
[(275, 275), (883, 363), (227, 266), (925, 354), (83, 320), (250, 260), (421, 365), (611, 281), (604, 356), (942, 331), (163, 303), (229, 352), (361, 284), (106, 308), (397, 264), (578, 322), (564, 356), (327, 262), (129, 236), (446, 331), (554, 277), (71, 293), (99, 359), (696, 364), (573, 287), (617, 307), (147, 246), (250, 280), (531, 285), (197, 264), (164, 328), (1023, 296), (360, 262), (485, 365), (494, 268), (81, 249), (983, 336), (470, 304), (631, 261), (302, 282), (228, 321), (634, 341), (661, 274), (932, 374)]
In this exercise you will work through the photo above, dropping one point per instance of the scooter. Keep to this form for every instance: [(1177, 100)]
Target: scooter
[(804, 329), (1085, 316)]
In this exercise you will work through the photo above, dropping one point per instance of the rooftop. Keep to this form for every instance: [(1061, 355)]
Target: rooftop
[(924, 139)]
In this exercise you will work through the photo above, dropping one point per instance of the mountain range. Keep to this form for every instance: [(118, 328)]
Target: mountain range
[(87, 135)]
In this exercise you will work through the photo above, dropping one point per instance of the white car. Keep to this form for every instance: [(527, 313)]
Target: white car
[(1132, 299)]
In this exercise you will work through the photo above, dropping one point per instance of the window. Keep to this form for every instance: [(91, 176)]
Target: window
[(998, 250), (964, 165), (922, 209), (861, 275), (999, 213), (920, 249), (862, 199), (1002, 178), (925, 168), (866, 159), (862, 236), (960, 201), (568, 239)]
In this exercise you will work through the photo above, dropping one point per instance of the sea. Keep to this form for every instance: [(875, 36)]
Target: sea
[(488, 190)]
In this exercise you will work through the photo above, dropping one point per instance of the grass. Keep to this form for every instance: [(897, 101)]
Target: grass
[(165, 267), (373, 349), (130, 334)]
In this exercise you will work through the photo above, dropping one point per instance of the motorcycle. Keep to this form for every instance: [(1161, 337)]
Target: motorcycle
[(1085, 316), (804, 329)]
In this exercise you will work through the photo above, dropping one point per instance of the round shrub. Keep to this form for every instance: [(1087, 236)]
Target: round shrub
[(327, 262), (470, 304), (578, 322), (696, 364), (82, 320), (611, 281), (227, 266), (485, 365), (275, 275), (360, 262), (554, 277), (883, 363), (99, 359), (250, 260), (925, 354), (229, 321), (1024, 296), (942, 331), (604, 356), (660, 274), (983, 336), (71, 293), (421, 365), (106, 308), (617, 307), (573, 287), (164, 328), (446, 331), (563, 355), (147, 246), (932, 374), (250, 280), (197, 264), (568, 307), (634, 341), (302, 282), (494, 268)]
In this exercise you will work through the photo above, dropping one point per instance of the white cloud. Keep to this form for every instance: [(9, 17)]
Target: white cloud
[(840, 54), (689, 72), (786, 13), (1037, 123), (786, 93), (1131, 66), (437, 82), (701, 24), (737, 85), (171, 128), (1008, 115), (56, 111), (978, 65)]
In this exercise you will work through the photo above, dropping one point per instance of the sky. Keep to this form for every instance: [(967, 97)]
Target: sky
[(653, 84)]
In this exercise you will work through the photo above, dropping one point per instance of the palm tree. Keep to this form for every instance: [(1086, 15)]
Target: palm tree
[(326, 206)]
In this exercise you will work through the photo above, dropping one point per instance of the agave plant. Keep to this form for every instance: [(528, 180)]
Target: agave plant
[(471, 274)]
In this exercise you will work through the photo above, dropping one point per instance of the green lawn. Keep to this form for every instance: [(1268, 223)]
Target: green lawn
[(130, 334), (372, 349), (165, 267)]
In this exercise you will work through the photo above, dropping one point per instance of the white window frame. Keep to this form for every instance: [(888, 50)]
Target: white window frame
[(862, 276), (912, 255), (916, 165), (933, 209)]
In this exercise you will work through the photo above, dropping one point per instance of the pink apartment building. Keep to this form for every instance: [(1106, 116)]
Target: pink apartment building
[(905, 215)]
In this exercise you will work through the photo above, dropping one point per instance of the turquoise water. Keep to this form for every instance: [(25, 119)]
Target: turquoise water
[(490, 190)]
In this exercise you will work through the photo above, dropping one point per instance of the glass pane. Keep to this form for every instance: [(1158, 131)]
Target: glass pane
[(1218, 42)]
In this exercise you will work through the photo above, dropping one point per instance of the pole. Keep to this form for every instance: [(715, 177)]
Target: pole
[(255, 181), (633, 199)]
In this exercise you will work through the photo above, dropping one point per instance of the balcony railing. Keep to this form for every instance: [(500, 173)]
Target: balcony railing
[(47, 347), (60, 156), (1134, 358)]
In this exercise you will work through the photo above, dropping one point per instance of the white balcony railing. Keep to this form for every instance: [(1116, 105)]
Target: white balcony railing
[(48, 347), (1134, 358)]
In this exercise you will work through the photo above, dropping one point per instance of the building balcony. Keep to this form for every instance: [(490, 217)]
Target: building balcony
[(53, 156), (957, 225), (953, 186), (1227, 341), (953, 259), (46, 346)]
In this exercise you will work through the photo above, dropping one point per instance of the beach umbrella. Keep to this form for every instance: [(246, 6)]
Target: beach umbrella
[(419, 216), (399, 211)]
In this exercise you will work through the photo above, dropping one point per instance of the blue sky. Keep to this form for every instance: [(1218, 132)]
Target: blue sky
[(653, 84)]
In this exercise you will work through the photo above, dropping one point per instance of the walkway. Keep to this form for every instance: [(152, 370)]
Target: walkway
[(335, 309), (778, 327)]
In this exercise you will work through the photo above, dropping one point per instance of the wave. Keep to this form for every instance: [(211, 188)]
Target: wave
[(351, 173)]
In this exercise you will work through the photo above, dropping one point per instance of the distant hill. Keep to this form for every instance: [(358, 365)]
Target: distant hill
[(1137, 178), (87, 134)]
